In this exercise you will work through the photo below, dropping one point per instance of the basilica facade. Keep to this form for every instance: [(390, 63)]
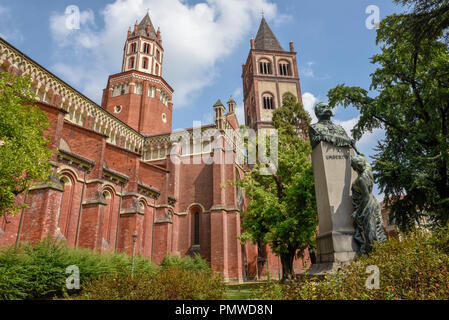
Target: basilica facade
[(124, 178)]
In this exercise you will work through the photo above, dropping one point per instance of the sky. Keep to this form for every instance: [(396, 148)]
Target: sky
[(205, 44)]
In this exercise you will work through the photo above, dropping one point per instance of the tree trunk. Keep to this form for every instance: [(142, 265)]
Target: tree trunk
[(287, 266)]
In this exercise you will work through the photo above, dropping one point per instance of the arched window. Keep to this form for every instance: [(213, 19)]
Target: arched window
[(265, 67), (133, 47), (196, 229), (157, 69), (145, 63), (65, 210), (108, 238), (158, 54), (138, 88), (131, 63), (284, 68), (152, 91), (146, 48), (268, 101)]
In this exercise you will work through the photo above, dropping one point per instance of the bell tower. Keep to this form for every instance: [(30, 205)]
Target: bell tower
[(268, 74), (138, 95)]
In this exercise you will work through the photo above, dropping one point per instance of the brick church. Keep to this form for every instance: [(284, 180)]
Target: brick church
[(122, 180)]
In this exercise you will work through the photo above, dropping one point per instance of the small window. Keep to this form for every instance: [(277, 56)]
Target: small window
[(133, 47), (146, 48), (164, 118), (145, 63), (268, 102), (158, 54), (152, 92), (284, 69), (196, 238), (138, 88), (118, 109), (131, 63), (265, 67)]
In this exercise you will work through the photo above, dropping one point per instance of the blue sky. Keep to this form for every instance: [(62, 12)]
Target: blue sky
[(205, 43)]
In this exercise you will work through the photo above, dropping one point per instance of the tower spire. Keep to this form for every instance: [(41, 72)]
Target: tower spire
[(265, 39)]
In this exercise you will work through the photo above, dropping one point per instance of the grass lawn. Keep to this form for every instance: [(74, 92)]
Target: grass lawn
[(245, 291)]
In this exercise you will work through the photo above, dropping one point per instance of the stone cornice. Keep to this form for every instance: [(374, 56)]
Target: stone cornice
[(115, 176), (78, 160)]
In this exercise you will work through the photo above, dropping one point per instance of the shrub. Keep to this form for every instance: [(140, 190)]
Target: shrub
[(186, 263), (38, 271), (412, 266), (169, 283)]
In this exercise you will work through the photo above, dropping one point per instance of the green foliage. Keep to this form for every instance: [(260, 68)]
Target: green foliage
[(39, 271), (24, 152), (427, 19), (170, 283), (186, 263), (282, 208), (412, 266), (412, 83)]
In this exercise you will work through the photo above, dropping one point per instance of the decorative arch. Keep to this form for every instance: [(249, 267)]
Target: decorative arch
[(196, 204)]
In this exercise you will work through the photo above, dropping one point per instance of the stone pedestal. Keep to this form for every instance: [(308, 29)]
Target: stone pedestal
[(333, 177)]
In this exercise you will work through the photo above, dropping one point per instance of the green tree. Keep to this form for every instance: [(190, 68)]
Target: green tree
[(24, 153), (282, 208), (427, 19), (412, 105)]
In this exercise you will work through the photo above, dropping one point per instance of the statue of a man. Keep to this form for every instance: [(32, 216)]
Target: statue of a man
[(325, 130)]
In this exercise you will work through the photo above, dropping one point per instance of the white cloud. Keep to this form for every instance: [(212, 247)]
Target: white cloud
[(8, 31), (3, 10), (239, 109), (309, 101), (195, 38), (307, 70), (240, 113), (65, 36), (370, 139), (348, 125)]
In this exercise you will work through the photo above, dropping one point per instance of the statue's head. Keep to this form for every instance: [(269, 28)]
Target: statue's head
[(323, 111), (359, 163)]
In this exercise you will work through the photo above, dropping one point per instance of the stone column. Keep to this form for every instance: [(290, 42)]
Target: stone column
[(333, 177)]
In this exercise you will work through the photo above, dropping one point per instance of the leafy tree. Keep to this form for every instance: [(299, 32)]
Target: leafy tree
[(412, 105), (282, 208), (427, 19), (24, 152)]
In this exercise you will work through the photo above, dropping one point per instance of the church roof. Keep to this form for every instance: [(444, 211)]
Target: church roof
[(231, 100), (142, 28), (265, 39), (218, 103)]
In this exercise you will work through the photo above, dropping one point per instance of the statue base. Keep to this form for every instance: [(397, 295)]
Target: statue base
[(333, 178)]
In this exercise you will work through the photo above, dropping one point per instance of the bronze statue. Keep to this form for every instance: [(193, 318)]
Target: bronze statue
[(367, 215), (325, 130)]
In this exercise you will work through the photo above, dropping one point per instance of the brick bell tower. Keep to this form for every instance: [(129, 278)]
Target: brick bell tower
[(139, 96), (268, 74)]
